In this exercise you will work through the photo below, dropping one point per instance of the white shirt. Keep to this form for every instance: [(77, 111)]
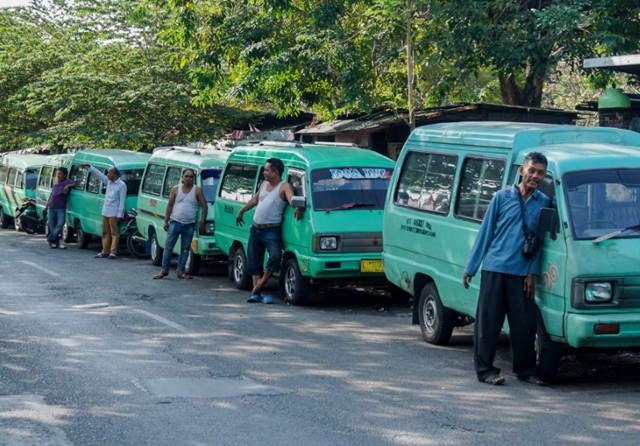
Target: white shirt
[(114, 197)]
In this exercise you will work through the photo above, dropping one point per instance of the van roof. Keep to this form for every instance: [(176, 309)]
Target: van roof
[(59, 159), (190, 157), (24, 161), (122, 159), (316, 155)]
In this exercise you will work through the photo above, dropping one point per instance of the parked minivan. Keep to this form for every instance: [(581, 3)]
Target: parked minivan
[(46, 178), (84, 208), (588, 295), (339, 238), (18, 179), (164, 171)]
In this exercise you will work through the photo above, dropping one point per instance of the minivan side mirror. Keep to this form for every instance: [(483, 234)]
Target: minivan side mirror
[(548, 221), (298, 201)]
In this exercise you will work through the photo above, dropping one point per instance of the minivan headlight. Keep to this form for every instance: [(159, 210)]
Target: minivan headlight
[(209, 228), (598, 292), (329, 243)]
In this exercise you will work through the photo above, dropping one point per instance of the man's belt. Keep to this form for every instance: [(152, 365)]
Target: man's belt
[(270, 225)]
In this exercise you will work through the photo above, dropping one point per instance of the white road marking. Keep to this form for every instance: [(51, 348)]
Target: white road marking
[(45, 270), (164, 321)]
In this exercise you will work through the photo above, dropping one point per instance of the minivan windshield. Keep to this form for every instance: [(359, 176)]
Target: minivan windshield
[(344, 188), (132, 177), (209, 179), (603, 201)]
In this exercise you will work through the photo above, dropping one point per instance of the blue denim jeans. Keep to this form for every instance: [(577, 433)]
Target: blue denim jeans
[(56, 222), (269, 239), (185, 232)]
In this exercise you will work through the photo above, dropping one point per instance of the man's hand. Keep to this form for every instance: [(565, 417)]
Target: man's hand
[(529, 286), (201, 228), (466, 280), (166, 226), (298, 214), (239, 219)]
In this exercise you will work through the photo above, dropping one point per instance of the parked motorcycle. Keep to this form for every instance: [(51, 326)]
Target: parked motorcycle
[(27, 219), (136, 244)]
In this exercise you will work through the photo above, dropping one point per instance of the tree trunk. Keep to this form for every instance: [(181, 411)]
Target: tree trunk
[(527, 95)]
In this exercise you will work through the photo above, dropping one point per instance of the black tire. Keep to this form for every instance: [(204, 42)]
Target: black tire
[(240, 272), (29, 228), (17, 224), (548, 352), (82, 237), (136, 245), (67, 233), (192, 267), (436, 321), (5, 220), (156, 251), (47, 230), (294, 287)]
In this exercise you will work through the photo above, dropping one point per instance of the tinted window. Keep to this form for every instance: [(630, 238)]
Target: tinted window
[(46, 175), (349, 187), (94, 184), (153, 179), (174, 177), (481, 179), (4, 170), (209, 179), (31, 179), (12, 176), (426, 182), (79, 175), (19, 179), (238, 182), (132, 178)]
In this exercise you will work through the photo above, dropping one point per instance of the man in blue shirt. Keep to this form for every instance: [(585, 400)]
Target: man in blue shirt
[(507, 281)]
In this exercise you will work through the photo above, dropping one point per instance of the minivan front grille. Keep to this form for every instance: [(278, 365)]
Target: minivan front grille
[(368, 242)]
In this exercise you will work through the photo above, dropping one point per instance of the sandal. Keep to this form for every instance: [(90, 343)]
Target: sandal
[(532, 379), (495, 380), (183, 276), (161, 275)]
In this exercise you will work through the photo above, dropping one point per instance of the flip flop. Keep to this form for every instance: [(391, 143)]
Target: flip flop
[(254, 298), (494, 380), (268, 300), (184, 276), (161, 275), (533, 380)]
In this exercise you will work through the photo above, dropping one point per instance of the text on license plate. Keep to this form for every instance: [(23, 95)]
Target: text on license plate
[(371, 266)]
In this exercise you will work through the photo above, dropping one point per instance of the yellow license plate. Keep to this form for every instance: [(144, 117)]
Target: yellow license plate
[(371, 266)]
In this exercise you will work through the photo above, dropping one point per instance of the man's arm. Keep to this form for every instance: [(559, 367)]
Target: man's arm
[(172, 201), (286, 194), (123, 197), (101, 176), (205, 208), (68, 187), (253, 202), (482, 242)]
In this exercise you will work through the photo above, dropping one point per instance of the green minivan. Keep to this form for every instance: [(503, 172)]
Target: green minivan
[(588, 295), (18, 179), (84, 208), (162, 173), (339, 238)]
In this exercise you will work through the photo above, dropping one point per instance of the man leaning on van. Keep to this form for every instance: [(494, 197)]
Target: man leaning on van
[(112, 210)]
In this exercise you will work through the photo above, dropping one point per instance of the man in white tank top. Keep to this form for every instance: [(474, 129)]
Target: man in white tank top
[(180, 221), (272, 197)]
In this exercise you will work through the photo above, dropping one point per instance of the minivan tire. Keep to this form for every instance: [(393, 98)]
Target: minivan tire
[(548, 353), (5, 220), (67, 233), (436, 321), (239, 270), (156, 251), (82, 237), (192, 267), (294, 287)]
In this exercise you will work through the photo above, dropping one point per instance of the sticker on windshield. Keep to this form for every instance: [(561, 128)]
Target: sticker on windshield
[(355, 173)]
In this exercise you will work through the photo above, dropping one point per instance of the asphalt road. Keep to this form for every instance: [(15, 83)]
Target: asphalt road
[(96, 352)]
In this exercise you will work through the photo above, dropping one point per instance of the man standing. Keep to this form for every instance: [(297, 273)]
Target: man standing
[(180, 221), (57, 205), (507, 282), (112, 210), (265, 233)]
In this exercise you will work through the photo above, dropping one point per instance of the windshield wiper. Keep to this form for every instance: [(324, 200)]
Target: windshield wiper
[(614, 234), (349, 206)]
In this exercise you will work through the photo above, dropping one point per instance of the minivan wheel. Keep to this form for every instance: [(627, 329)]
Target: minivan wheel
[(192, 267), (156, 251), (436, 321), (67, 233), (548, 353), (239, 265), (5, 220), (294, 287), (17, 224), (82, 237)]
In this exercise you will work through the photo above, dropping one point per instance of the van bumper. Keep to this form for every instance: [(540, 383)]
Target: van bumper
[(339, 266), (581, 330), (205, 246)]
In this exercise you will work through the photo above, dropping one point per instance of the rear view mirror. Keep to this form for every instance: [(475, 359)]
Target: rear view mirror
[(298, 201), (548, 221)]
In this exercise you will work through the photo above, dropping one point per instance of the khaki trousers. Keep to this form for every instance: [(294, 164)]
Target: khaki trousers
[(110, 235)]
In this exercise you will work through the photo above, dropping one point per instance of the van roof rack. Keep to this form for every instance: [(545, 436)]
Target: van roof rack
[(180, 148), (336, 144), (280, 143)]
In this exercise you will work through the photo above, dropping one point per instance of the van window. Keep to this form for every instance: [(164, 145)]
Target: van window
[(79, 175), (295, 177), (31, 179), (349, 187), (426, 182), (94, 184), (19, 179), (4, 170), (238, 182), (11, 178), (481, 179), (174, 177), (209, 179), (603, 201), (132, 178), (46, 175), (153, 179)]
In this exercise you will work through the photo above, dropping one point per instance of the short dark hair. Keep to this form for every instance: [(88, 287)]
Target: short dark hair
[(193, 171), (277, 165), (536, 158), (64, 170), (115, 170)]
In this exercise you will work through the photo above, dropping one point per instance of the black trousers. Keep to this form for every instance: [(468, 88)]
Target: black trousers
[(503, 295)]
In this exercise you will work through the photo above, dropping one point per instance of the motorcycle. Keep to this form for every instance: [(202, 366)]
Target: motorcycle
[(136, 244), (27, 219)]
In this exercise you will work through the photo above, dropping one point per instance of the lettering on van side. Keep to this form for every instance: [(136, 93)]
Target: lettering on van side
[(360, 173), (550, 276), (418, 226)]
